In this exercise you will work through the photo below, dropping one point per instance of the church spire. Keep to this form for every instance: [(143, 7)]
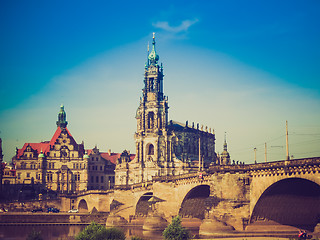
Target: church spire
[(153, 56), (225, 146), (225, 157), (62, 118)]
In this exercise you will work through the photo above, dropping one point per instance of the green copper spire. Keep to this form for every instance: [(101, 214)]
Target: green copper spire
[(225, 146), (153, 56), (62, 118)]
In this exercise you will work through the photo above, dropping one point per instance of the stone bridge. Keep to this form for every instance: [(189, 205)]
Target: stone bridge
[(286, 192)]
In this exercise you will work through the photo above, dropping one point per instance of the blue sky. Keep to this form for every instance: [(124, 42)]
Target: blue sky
[(241, 67)]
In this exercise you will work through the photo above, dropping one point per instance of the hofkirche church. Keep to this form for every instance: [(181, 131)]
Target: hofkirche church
[(163, 148)]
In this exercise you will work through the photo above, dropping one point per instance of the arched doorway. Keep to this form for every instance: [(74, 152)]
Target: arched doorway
[(143, 205), (83, 207), (195, 202), (294, 202)]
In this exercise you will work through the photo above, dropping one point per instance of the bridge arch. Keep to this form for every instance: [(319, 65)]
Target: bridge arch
[(83, 206), (194, 203), (291, 201), (142, 206)]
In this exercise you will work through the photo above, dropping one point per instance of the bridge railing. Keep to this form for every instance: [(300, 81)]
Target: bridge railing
[(241, 168)]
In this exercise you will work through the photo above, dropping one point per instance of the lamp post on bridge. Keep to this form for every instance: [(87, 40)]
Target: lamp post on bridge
[(255, 155)]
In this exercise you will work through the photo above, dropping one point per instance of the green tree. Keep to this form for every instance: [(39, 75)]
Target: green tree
[(136, 238), (34, 235), (175, 231), (98, 232)]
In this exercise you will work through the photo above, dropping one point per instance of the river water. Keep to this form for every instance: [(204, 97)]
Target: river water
[(68, 232), (64, 232)]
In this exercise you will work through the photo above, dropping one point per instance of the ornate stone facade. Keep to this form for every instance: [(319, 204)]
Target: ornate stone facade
[(62, 165), (162, 147), (59, 164)]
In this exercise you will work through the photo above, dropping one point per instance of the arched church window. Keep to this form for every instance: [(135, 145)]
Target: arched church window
[(151, 84), (150, 149), (150, 120)]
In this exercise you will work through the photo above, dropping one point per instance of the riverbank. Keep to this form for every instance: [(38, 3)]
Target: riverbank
[(28, 218), (74, 222)]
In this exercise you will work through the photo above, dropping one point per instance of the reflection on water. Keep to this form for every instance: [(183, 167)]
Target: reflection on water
[(65, 232), (50, 232), (68, 232)]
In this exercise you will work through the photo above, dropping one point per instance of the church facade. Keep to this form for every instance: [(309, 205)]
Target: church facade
[(163, 147)]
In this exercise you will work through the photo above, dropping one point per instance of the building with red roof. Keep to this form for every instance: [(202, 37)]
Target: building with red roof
[(59, 164), (101, 166), (63, 165)]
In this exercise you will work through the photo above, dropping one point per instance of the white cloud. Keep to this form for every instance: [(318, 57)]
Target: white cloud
[(184, 26)]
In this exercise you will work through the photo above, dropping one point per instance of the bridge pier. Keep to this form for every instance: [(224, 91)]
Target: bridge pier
[(211, 227)]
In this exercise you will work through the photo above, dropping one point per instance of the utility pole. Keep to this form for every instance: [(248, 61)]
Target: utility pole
[(255, 155), (199, 153), (287, 142), (265, 152)]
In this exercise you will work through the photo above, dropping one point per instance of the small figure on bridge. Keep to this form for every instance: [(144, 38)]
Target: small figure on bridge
[(303, 235)]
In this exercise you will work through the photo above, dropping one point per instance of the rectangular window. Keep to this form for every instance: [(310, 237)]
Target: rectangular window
[(92, 179), (28, 175), (97, 179), (100, 168), (19, 175), (101, 179)]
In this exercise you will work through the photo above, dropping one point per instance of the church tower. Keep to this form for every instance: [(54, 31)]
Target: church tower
[(163, 148), (152, 120)]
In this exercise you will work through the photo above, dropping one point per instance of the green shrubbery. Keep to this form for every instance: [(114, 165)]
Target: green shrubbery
[(136, 238), (98, 232), (175, 231)]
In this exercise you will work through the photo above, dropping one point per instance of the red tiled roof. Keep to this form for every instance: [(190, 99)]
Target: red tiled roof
[(45, 146), (112, 157), (35, 146)]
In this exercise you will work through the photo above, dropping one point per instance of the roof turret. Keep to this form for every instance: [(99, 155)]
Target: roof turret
[(62, 118), (41, 155), (85, 156)]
